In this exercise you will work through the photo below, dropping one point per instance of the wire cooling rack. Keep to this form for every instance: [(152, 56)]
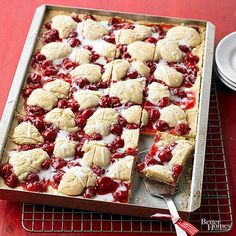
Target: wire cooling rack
[(214, 215)]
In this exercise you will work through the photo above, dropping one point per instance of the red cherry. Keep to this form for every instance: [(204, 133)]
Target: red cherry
[(177, 169), (161, 125), (119, 142), (163, 102), (73, 34), (122, 121), (73, 105), (40, 57), (71, 164), (121, 196), (182, 129), (116, 129), (76, 19), (153, 150), (86, 17), (34, 78), (184, 48), (57, 177), (62, 103), (129, 104), (74, 137), (6, 170), (32, 177), (51, 35), (68, 64), (79, 152), (58, 163), (140, 166), (89, 192), (46, 63), (50, 135), (151, 40), (154, 114), (49, 71), (105, 101), (96, 136), (109, 39), (35, 110), (116, 155), (189, 57), (11, 181), (92, 87), (47, 25), (179, 93), (132, 126), (37, 186), (132, 74), (88, 47), (102, 84), (106, 185), (152, 161), (87, 113), (189, 80), (74, 42), (165, 155), (122, 48), (94, 57), (98, 170), (46, 164), (131, 151), (26, 147), (81, 82), (180, 69), (152, 66), (126, 55), (81, 121), (48, 147), (114, 20), (115, 101)]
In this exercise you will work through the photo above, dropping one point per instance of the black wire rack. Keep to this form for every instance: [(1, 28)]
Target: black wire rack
[(213, 216)]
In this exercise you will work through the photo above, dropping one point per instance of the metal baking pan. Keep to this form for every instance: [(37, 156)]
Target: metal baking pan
[(141, 203)]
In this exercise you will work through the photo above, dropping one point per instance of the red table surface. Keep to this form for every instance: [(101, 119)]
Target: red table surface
[(15, 19)]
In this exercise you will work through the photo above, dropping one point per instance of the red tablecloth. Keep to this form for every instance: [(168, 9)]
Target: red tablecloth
[(15, 19)]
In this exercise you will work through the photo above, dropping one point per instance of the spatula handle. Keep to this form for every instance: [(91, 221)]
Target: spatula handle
[(175, 214)]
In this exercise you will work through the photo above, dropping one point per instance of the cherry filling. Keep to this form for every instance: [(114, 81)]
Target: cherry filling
[(76, 19), (74, 42), (152, 66), (48, 147), (38, 186), (107, 101), (109, 39), (132, 74), (131, 151), (184, 48), (177, 169), (90, 192), (116, 129), (122, 121), (58, 163), (51, 35), (81, 82), (57, 178), (121, 196), (78, 151), (153, 150), (10, 179), (161, 125), (35, 111), (86, 17), (114, 20), (72, 34), (73, 105), (34, 78), (163, 102), (154, 114), (74, 136), (98, 170), (32, 177), (29, 89), (37, 122), (95, 136), (68, 64), (151, 40), (106, 185), (141, 166), (25, 147), (165, 155), (182, 129), (116, 156), (46, 164), (50, 134)]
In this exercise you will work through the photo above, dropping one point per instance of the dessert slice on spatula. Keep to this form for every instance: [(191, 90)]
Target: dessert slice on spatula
[(161, 167), (166, 159)]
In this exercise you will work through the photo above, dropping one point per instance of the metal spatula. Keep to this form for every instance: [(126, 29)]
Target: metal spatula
[(165, 192)]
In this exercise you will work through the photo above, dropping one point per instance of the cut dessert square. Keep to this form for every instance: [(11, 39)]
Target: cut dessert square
[(166, 158), (95, 83)]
